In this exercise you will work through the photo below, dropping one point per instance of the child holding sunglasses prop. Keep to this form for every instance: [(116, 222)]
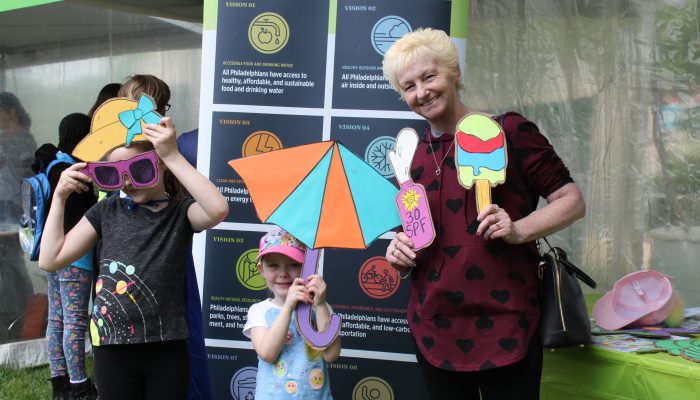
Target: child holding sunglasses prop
[(138, 323)]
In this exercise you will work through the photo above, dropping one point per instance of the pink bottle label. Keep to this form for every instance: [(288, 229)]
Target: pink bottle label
[(415, 215)]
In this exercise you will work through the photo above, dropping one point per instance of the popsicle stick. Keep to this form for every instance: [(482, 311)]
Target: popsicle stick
[(483, 194)]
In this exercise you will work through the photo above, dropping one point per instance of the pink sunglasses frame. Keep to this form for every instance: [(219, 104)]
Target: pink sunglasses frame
[(122, 167)]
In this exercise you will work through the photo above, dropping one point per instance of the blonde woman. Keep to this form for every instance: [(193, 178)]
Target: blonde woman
[(473, 309)]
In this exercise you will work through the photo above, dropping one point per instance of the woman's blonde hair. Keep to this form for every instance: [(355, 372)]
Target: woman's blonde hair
[(423, 42)]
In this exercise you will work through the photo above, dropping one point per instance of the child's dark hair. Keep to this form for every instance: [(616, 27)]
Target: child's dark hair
[(71, 130), (108, 91)]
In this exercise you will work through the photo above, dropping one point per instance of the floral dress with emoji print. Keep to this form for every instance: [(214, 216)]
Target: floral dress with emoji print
[(299, 372)]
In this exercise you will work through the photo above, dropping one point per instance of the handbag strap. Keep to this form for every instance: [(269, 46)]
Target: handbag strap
[(558, 252), (562, 259)]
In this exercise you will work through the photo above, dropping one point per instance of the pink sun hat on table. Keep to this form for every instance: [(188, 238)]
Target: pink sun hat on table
[(640, 298)]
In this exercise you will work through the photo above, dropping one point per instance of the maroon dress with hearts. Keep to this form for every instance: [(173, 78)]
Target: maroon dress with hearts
[(474, 303)]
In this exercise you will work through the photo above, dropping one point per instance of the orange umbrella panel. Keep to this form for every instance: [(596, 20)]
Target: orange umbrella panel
[(322, 193)]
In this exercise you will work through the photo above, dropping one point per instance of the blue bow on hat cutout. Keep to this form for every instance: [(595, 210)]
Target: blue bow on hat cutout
[(131, 119)]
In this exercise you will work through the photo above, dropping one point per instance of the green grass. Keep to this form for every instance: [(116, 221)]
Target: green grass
[(29, 383), (25, 384)]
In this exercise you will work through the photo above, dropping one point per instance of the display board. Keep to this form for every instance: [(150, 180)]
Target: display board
[(275, 75)]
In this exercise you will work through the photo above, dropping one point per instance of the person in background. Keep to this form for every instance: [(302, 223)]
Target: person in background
[(473, 310), (142, 260), (287, 366), (69, 288), (200, 381), (17, 146), (108, 91), (187, 143)]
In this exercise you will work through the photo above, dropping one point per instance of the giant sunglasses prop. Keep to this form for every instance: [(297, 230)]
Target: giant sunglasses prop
[(142, 170)]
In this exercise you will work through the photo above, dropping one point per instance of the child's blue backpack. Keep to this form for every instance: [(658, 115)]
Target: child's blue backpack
[(36, 197)]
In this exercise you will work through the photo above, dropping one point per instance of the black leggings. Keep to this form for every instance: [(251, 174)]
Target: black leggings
[(516, 381), (158, 370)]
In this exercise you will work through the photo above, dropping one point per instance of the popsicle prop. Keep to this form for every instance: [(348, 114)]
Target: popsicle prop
[(481, 155), (411, 200), (312, 337)]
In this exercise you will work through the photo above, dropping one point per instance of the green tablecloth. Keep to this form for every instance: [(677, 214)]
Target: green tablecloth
[(582, 373)]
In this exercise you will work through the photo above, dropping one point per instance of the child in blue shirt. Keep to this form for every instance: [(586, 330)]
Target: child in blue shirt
[(288, 367)]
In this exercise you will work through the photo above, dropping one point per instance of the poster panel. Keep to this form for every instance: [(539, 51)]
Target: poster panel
[(236, 135), (271, 52), (365, 31), (233, 282), (372, 138), (278, 74)]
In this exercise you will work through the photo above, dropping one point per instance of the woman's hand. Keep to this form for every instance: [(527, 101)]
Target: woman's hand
[(72, 180), (163, 137), (400, 254), (496, 224)]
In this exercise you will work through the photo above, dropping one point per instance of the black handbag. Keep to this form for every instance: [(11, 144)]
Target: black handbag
[(564, 319)]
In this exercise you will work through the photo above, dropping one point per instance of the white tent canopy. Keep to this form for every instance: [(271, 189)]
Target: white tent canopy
[(55, 57)]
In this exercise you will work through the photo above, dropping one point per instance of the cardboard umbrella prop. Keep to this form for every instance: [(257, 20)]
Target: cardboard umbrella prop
[(324, 195), (481, 155)]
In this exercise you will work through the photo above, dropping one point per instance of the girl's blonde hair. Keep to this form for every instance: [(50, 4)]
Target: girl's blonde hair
[(421, 43)]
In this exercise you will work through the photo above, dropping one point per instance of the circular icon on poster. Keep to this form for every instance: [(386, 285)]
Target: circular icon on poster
[(268, 33), (377, 155), (378, 279), (388, 30), (247, 271), (260, 142), (243, 384), (372, 388)]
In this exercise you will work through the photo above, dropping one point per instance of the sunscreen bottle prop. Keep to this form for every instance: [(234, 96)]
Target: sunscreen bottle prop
[(411, 200)]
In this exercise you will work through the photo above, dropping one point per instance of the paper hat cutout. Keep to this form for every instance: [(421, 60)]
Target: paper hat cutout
[(117, 122), (640, 298)]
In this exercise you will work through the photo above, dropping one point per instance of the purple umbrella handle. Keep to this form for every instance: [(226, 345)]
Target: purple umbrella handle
[(315, 339)]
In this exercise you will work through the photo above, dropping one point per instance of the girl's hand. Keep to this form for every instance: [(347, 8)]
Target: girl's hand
[(316, 288), (163, 137), (296, 293), (72, 180)]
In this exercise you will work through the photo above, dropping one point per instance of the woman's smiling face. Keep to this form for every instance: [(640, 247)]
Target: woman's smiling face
[(428, 88)]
